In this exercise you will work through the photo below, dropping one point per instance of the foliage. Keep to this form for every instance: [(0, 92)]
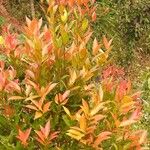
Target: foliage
[(146, 101), (2, 20), (127, 22), (21, 8), (52, 93)]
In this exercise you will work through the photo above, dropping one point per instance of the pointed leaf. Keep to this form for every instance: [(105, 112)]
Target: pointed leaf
[(37, 115), (127, 123), (15, 98)]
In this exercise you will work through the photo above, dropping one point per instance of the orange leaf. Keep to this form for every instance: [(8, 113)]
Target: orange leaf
[(96, 47), (23, 136), (83, 122), (64, 102), (101, 137), (143, 137), (29, 73), (41, 138), (94, 16), (8, 110), (53, 135), (46, 107), (49, 87), (98, 117), (106, 43), (66, 94), (136, 114)]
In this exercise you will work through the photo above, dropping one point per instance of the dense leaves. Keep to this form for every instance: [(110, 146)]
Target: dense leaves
[(53, 91)]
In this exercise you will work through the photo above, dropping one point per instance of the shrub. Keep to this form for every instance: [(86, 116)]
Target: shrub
[(53, 95)]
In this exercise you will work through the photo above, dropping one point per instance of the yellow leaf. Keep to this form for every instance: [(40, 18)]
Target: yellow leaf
[(127, 123), (127, 99), (64, 17), (1, 40), (85, 23), (85, 107), (74, 88), (78, 129), (31, 107), (67, 111), (74, 136), (83, 53), (16, 98), (32, 97), (101, 93), (75, 132), (73, 77), (37, 115), (129, 104), (97, 109)]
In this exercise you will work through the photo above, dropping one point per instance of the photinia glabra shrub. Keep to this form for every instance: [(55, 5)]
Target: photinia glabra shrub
[(53, 92)]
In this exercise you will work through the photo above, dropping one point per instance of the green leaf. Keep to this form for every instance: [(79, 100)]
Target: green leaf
[(148, 83), (65, 37), (59, 42), (85, 24), (2, 20), (66, 120)]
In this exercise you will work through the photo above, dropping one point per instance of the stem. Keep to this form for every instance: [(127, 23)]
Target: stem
[(32, 8)]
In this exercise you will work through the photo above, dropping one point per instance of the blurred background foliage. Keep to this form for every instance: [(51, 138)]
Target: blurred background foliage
[(127, 22)]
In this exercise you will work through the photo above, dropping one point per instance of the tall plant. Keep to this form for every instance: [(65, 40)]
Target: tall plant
[(52, 93)]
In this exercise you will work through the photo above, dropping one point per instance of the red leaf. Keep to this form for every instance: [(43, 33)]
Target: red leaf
[(40, 135), (94, 16), (11, 41), (46, 107), (136, 114), (46, 130), (23, 136), (101, 137)]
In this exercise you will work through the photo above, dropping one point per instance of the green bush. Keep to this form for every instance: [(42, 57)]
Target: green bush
[(128, 22)]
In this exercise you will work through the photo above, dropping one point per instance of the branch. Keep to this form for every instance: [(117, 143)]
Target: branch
[(32, 8)]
